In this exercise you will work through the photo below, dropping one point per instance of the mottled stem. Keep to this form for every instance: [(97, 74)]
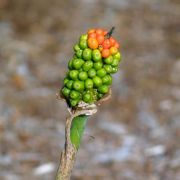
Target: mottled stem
[(68, 155)]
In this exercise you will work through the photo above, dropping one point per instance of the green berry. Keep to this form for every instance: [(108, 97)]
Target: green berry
[(91, 72), (76, 47), (100, 95), (107, 79), (65, 81), (83, 75), (96, 55), (69, 84), (79, 53), (83, 44), (98, 65), (101, 72), (87, 53), (97, 81), (78, 85), (87, 65), (115, 62), (73, 74), (108, 60), (70, 66), (88, 84), (87, 97), (108, 68), (74, 94), (114, 70), (83, 37), (103, 89), (117, 56), (65, 91), (74, 102), (77, 63)]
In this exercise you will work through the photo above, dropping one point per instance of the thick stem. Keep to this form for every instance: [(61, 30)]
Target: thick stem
[(68, 155)]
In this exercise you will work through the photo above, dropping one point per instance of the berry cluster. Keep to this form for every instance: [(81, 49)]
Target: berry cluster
[(96, 58)]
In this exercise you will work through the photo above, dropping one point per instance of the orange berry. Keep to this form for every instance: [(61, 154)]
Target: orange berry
[(99, 31), (112, 41), (92, 35), (92, 43), (100, 48), (100, 38), (116, 45), (106, 44), (105, 53), (91, 31), (113, 50), (105, 32)]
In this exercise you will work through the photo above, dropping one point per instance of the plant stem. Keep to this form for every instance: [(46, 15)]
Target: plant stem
[(74, 129)]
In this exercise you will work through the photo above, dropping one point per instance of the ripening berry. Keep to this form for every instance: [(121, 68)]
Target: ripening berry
[(105, 53), (92, 35), (117, 56), (106, 44), (112, 41), (92, 43), (113, 50), (116, 45), (83, 37), (100, 38), (91, 31), (108, 60), (99, 31)]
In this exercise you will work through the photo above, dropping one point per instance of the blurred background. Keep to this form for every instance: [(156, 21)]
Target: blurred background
[(134, 136)]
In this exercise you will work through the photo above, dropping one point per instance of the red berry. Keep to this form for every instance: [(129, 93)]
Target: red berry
[(100, 38), (105, 53), (106, 44)]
